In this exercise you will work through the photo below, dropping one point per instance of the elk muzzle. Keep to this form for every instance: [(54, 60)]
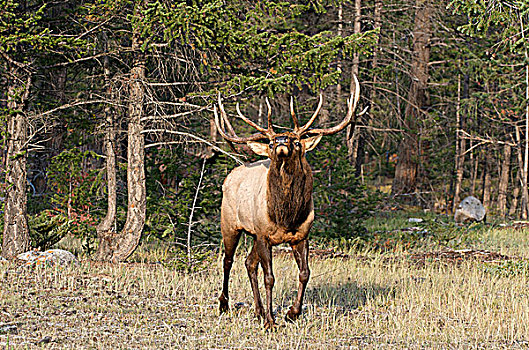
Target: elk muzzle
[(281, 145)]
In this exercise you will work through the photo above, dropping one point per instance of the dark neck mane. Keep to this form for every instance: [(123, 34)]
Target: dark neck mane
[(289, 193)]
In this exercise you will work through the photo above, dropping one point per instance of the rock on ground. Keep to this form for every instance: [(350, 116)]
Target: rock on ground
[(470, 209), (51, 257)]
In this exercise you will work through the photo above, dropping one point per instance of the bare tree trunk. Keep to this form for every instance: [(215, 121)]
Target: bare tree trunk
[(515, 195), (339, 66), (504, 180), (474, 176), (523, 179), (526, 148), (118, 247), (353, 133), (16, 230), (107, 227), (405, 180), (377, 17), (137, 198), (525, 171), (460, 149), (359, 155), (487, 180)]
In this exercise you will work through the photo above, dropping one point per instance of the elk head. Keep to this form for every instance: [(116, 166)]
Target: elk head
[(289, 144)]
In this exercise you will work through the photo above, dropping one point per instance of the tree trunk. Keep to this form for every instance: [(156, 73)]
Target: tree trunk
[(118, 247), (339, 65), (460, 149), (504, 180), (353, 133), (107, 227), (405, 180), (515, 195), (523, 178), (359, 153), (374, 62), (475, 169), (16, 230), (525, 172), (487, 180)]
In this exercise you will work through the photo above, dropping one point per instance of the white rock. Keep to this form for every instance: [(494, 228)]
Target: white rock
[(470, 209), (50, 257), (415, 220)]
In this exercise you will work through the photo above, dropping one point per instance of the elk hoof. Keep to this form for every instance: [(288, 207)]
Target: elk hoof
[(292, 315), (268, 325), (260, 313), (223, 305)]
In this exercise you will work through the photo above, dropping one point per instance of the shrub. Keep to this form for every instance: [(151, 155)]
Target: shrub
[(47, 228), (341, 202)]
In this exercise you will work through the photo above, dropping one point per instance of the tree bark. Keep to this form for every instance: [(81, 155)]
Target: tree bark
[(377, 17), (487, 180), (107, 227), (353, 133), (515, 196), (504, 180), (523, 179), (525, 193), (339, 65), (16, 238), (405, 180), (118, 247), (460, 149), (474, 177)]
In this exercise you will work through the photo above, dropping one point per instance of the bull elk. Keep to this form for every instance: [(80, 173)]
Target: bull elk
[(271, 200)]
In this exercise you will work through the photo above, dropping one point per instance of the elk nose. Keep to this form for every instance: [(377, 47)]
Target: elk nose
[(281, 140), (282, 146)]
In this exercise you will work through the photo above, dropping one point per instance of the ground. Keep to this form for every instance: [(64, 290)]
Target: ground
[(475, 298)]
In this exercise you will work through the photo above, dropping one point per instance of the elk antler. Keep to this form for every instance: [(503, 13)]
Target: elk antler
[(351, 106), (231, 135), (293, 114), (302, 130)]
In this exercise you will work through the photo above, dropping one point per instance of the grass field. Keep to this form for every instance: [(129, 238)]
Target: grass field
[(364, 300)]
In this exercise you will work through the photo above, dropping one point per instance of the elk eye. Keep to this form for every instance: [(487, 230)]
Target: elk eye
[(297, 143)]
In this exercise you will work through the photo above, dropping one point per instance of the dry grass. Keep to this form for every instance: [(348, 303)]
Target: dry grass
[(351, 303)]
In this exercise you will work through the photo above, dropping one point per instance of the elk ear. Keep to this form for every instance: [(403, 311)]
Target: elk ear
[(311, 142), (258, 148)]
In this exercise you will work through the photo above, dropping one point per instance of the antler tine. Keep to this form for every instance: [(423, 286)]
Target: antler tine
[(351, 104), (225, 120), (269, 117), (293, 114), (313, 118), (248, 121)]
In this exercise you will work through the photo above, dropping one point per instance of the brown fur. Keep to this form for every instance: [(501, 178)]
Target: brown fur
[(289, 194)]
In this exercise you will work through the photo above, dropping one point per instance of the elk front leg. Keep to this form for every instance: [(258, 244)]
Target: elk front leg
[(230, 240), (264, 250), (252, 263), (301, 255)]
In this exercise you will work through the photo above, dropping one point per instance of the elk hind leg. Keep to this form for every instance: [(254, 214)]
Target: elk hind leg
[(301, 255), (230, 239), (265, 255), (252, 263)]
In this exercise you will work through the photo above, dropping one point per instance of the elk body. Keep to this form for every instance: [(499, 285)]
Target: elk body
[(271, 200)]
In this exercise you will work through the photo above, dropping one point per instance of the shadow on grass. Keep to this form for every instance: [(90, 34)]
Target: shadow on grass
[(347, 296)]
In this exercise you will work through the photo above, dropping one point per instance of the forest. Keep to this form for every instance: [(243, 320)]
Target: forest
[(108, 131), (110, 150)]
